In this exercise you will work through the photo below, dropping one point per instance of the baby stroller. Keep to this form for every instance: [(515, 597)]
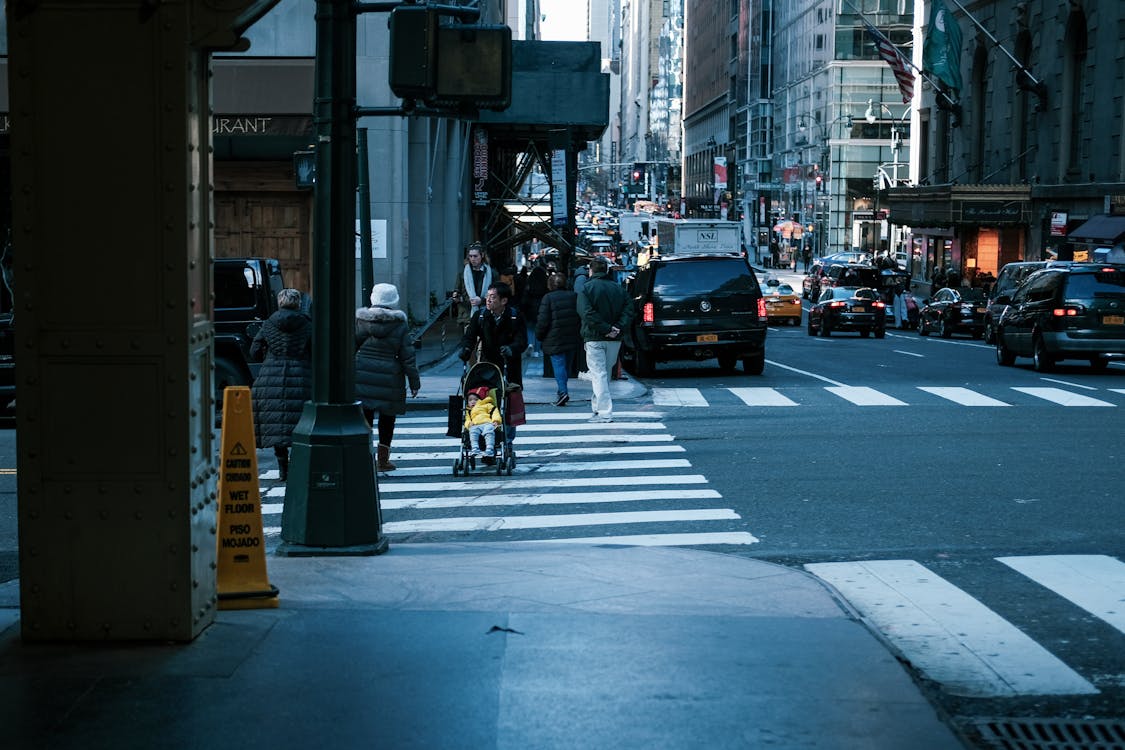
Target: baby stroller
[(492, 377)]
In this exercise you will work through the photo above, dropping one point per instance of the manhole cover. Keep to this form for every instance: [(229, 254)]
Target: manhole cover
[(1052, 734)]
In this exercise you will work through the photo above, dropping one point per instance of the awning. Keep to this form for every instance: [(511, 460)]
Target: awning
[(1102, 230)]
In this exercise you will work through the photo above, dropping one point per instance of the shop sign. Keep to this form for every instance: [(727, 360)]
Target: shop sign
[(1058, 223), (254, 125), (991, 211), (480, 167)]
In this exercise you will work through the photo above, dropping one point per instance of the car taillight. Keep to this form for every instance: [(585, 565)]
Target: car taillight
[(837, 303), (879, 304), (1068, 311), (648, 313), (762, 308)]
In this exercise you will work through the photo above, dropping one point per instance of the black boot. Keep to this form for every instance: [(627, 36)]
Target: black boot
[(282, 462)]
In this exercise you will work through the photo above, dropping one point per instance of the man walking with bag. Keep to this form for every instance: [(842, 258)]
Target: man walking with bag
[(606, 314)]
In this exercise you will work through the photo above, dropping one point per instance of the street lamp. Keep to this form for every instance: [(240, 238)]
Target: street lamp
[(871, 115), (825, 172)]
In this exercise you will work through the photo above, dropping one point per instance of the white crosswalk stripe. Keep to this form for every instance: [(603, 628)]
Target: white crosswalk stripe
[(958, 641), (868, 396), (631, 467)]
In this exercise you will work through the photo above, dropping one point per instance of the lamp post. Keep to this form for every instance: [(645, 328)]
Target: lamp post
[(824, 173), (882, 179)]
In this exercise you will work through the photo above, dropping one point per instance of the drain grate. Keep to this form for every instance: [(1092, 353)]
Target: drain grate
[(1052, 734)]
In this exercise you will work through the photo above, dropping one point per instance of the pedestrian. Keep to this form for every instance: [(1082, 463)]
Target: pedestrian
[(937, 281), (384, 367), (476, 277), (284, 383), (898, 306), (558, 328), (500, 330), (606, 314), (533, 295)]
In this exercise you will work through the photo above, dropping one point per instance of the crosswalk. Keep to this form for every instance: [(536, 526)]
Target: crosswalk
[(571, 478), (998, 396), (954, 639)]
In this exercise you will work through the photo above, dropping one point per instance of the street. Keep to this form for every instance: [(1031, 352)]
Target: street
[(969, 513)]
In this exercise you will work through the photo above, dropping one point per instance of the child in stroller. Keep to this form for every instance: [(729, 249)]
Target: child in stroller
[(483, 383), (482, 419)]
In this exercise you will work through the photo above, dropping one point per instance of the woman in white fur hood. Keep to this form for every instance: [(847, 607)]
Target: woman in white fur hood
[(384, 366)]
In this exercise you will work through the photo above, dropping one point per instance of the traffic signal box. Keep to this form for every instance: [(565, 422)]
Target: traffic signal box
[(449, 65)]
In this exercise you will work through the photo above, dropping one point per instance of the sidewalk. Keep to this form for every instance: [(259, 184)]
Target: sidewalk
[(510, 646)]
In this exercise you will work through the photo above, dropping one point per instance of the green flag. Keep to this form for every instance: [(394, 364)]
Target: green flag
[(941, 56)]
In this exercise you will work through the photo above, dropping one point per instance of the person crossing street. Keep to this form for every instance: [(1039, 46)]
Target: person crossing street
[(606, 314)]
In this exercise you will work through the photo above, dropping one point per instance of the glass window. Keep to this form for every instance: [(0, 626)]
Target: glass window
[(716, 276), (1109, 283)]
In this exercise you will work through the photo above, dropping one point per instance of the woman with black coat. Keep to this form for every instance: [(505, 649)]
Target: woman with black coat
[(284, 382), (384, 363), (558, 327)]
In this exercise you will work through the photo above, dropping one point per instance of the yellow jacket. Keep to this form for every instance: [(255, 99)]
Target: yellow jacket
[(482, 411)]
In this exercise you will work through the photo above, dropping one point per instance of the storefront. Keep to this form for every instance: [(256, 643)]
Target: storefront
[(971, 230)]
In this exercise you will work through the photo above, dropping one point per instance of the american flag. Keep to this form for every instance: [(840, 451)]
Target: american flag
[(890, 55)]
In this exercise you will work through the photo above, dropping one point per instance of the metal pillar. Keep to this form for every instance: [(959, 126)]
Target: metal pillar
[(332, 501)]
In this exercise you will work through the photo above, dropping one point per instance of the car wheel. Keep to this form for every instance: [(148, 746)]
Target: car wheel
[(812, 330), (727, 361), (754, 364), (864, 333), (1041, 359), (881, 333), (824, 328), (226, 374), (1099, 362), (922, 331), (795, 321), (989, 334), (944, 330), (1004, 355), (646, 365)]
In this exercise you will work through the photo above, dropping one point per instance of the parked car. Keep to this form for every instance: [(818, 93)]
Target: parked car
[(695, 307), (1074, 311), (810, 285), (953, 311), (783, 305), (848, 308), (1009, 278)]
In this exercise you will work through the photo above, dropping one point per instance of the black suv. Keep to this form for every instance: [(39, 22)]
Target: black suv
[(1076, 311), (695, 307), (1009, 279)]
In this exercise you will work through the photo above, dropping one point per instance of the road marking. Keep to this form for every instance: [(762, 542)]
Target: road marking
[(909, 354), (661, 540), (864, 396), (1069, 384), (1065, 398), (598, 450), (803, 372), (1096, 583), (536, 483), (678, 397), (949, 635), (553, 498), (536, 439), (762, 397), (1118, 390), (506, 523), (523, 467), (963, 396), (572, 426)]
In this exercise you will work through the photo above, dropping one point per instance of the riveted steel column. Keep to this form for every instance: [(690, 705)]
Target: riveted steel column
[(331, 501)]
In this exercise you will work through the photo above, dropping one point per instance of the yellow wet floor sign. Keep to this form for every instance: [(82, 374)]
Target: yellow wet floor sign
[(242, 579)]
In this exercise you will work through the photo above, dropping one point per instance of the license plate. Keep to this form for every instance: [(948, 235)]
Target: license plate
[(981, 310), (859, 308), (707, 338), (1114, 320)]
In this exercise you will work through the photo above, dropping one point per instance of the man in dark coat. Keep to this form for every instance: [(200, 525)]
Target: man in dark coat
[(500, 330), (284, 382), (558, 328), (533, 294), (606, 313), (384, 363), (502, 334)]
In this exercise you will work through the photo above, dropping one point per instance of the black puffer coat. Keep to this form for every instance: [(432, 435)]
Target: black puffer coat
[(558, 323), (284, 383), (384, 360)]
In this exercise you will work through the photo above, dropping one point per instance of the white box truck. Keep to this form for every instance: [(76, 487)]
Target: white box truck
[(635, 227), (696, 236)]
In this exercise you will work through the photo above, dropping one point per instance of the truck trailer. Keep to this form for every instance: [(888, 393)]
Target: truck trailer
[(697, 236)]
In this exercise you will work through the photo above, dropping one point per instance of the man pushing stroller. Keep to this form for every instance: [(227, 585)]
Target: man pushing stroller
[(482, 418)]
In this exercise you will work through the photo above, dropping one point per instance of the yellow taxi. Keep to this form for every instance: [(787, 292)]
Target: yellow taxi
[(783, 305)]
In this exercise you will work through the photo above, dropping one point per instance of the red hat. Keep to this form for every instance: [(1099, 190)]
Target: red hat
[(481, 392)]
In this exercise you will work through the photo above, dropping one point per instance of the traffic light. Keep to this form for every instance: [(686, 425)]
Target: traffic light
[(819, 183), (639, 173)]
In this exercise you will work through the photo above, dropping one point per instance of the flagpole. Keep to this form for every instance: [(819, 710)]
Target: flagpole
[(953, 105), (1038, 86)]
